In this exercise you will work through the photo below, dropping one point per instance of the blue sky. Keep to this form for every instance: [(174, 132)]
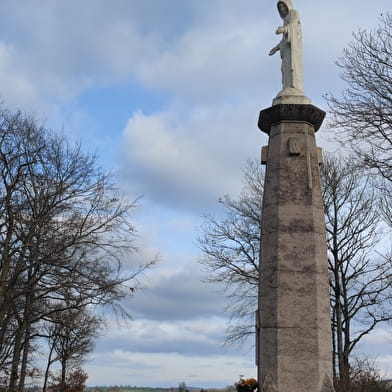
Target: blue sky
[(167, 94)]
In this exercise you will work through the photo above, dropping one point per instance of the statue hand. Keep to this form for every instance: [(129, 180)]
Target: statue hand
[(280, 30), (274, 50)]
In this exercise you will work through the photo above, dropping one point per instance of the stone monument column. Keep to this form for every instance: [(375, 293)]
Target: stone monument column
[(293, 349)]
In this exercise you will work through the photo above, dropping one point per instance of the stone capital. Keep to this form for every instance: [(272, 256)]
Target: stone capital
[(290, 113)]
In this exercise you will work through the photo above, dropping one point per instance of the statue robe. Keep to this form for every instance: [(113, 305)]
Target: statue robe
[(291, 50)]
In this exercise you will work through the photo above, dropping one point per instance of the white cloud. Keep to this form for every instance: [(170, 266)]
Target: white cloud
[(175, 291), (193, 159), (60, 49), (16, 87), (376, 346), (198, 52), (164, 335), (211, 62), (384, 364), (162, 369), (163, 353), (380, 335)]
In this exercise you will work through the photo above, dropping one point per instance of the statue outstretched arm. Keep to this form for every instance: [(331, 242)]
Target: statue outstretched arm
[(274, 50)]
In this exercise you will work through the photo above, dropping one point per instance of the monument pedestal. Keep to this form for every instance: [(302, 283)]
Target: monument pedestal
[(293, 321)]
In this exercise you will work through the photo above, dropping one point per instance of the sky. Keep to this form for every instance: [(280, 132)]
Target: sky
[(167, 94)]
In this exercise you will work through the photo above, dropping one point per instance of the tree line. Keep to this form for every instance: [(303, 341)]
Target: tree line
[(65, 234), (357, 192)]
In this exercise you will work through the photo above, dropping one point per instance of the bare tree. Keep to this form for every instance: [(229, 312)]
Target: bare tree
[(230, 246), (71, 337), (365, 376), (359, 277), (75, 382), (362, 114), (363, 111), (64, 232)]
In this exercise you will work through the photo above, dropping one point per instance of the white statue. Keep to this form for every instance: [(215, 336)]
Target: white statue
[(290, 48)]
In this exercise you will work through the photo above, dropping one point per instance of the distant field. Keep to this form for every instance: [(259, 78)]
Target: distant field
[(140, 389), (127, 389)]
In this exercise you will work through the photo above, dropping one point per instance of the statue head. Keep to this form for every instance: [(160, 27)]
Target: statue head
[(284, 6)]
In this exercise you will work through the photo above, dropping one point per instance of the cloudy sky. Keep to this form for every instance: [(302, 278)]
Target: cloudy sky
[(167, 94)]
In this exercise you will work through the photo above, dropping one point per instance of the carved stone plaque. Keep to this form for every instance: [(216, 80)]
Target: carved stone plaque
[(294, 146)]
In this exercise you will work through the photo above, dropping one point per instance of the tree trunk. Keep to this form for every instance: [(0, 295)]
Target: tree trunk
[(346, 368), (63, 387), (339, 338), (47, 369), (12, 386), (23, 370), (334, 348), (22, 332)]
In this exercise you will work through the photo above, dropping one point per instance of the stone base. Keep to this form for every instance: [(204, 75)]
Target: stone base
[(327, 385), (268, 384), (291, 96)]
